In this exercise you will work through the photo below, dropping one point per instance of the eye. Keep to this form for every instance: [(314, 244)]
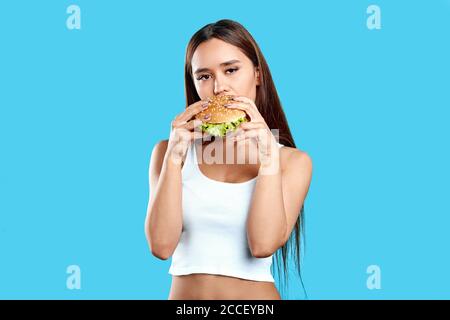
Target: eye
[(232, 69), (202, 76)]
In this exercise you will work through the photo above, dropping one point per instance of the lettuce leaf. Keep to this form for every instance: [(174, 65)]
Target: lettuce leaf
[(221, 129)]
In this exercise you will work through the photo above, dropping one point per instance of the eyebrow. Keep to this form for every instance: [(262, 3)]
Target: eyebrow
[(226, 63)]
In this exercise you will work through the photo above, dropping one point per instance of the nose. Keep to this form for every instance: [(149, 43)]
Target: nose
[(220, 86)]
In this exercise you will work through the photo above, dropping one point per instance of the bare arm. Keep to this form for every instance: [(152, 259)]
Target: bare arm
[(279, 192), (164, 220), (163, 224), (276, 203)]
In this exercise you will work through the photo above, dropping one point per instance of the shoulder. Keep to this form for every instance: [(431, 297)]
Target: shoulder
[(158, 154), (293, 159), (296, 171), (161, 145), (157, 159), (159, 150)]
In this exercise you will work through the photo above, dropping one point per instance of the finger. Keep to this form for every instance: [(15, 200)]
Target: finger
[(251, 125), (248, 101), (204, 117), (251, 133), (193, 124), (242, 135), (243, 106), (244, 99), (234, 132), (193, 109), (186, 123), (185, 133), (177, 123), (243, 141)]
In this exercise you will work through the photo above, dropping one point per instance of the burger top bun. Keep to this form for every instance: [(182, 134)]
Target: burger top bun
[(219, 113)]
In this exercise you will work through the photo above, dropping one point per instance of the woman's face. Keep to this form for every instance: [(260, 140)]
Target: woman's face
[(221, 68)]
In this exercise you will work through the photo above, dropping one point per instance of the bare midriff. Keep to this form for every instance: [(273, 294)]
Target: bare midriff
[(217, 287)]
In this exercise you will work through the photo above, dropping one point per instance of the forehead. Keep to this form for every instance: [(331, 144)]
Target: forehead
[(213, 52)]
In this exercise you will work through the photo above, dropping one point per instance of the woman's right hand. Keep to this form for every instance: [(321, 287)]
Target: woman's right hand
[(184, 129)]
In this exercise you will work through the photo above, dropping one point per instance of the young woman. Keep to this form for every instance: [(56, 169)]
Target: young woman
[(221, 221)]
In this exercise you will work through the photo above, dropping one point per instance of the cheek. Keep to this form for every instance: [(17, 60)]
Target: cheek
[(247, 84), (201, 87)]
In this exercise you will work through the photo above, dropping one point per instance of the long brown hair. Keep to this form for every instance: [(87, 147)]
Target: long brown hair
[(267, 101)]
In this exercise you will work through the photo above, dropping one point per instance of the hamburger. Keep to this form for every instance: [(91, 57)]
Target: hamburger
[(222, 120)]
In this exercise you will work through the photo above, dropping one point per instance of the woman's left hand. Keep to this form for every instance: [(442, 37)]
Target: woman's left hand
[(257, 129)]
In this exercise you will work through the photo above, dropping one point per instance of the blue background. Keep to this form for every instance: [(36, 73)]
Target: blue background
[(80, 111)]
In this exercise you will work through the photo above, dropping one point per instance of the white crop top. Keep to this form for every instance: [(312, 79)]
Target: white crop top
[(214, 237)]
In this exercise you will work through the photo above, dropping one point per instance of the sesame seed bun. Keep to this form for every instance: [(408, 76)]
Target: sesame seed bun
[(219, 113)]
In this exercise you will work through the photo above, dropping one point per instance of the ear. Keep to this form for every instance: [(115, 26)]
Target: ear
[(258, 76)]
